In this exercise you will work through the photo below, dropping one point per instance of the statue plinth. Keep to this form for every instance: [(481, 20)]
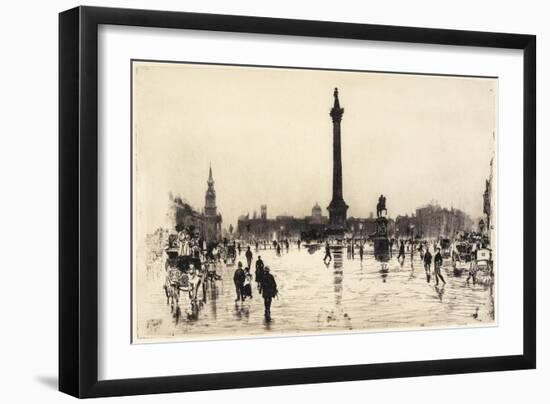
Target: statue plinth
[(337, 214), (381, 241)]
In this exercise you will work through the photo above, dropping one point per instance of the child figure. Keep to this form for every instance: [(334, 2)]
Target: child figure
[(247, 286)]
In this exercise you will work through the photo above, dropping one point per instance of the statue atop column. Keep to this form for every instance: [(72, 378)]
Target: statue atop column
[(381, 206)]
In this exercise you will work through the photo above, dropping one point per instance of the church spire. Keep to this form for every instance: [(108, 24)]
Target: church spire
[(210, 178), (210, 197)]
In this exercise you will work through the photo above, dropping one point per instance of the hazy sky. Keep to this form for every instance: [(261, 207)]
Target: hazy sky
[(268, 134)]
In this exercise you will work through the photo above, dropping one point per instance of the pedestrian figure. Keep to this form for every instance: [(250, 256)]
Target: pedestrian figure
[(259, 273), (238, 279), (248, 255), (196, 251), (327, 253), (247, 284), (421, 251), (269, 291), (239, 248), (438, 261), (473, 269), (172, 283), (278, 247), (361, 250), (473, 252), (427, 264), (401, 255), (194, 279)]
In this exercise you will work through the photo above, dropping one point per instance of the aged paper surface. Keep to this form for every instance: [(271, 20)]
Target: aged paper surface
[(339, 182)]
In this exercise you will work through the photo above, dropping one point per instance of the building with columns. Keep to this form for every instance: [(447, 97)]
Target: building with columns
[(281, 226)]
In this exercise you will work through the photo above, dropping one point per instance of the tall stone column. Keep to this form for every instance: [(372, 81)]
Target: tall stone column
[(337, 207)]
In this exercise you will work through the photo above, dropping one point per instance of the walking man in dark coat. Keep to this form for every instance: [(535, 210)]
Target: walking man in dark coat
[(401, 252), (248, 257), (427, 264), (269, 291), (327, 253), (238, 279), (438, 261), (259, 273)]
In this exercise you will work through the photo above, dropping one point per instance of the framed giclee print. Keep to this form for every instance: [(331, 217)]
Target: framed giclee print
[(250, 201)]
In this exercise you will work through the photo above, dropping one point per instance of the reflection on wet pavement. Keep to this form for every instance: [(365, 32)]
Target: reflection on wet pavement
[(345, 294)]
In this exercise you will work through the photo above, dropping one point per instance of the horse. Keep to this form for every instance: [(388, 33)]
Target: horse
[(172, 287)]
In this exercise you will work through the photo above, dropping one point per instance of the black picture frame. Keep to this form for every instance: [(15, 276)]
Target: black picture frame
[(78, 200)]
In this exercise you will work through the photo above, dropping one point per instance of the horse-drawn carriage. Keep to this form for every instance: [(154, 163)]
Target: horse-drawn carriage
[(183, 273), (461, 258), (478, 262), (190, 274), (445, 245), (230, 254)]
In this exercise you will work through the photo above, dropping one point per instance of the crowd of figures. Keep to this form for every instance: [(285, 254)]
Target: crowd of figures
[(467, 252), (191, 264), (191, 268), (265, 282)]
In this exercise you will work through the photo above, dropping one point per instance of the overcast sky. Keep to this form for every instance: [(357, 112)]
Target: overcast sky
[(268, 135)]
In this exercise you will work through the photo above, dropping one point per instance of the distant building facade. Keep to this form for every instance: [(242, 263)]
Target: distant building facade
[(281, 226), (312, 226), (405, 226), (432, 221)]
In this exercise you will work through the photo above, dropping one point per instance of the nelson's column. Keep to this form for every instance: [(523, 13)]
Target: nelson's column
[(337, 207)]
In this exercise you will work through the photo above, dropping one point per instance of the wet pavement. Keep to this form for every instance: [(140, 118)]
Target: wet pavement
[(346, 294)]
